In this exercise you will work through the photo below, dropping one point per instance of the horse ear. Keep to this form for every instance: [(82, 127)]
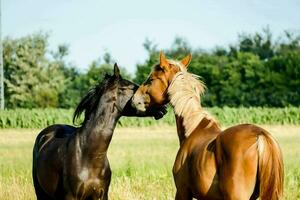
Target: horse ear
[(163, 61), (186, 60), (116, 70)]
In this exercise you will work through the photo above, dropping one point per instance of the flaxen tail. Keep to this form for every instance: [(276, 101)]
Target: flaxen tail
[(270, 169)]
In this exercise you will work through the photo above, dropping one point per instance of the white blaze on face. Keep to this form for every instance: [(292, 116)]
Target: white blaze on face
[(103, 172), (138, 103), (84, 174)]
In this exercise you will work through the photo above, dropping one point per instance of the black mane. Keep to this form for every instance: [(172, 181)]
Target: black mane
[(90, 101)]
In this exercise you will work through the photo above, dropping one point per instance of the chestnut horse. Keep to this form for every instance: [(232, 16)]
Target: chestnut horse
[(241, 162), (71, 163)]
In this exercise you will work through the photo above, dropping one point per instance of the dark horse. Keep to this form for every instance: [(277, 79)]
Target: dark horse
[(70, 162)]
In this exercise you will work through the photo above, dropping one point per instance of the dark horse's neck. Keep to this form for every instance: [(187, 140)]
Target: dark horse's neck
[(97, 131)]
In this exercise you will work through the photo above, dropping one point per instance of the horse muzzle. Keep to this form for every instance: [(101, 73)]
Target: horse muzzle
[(139, 103)]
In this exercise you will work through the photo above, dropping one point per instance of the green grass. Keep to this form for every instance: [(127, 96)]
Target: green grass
[(38, 118), (141, 161)]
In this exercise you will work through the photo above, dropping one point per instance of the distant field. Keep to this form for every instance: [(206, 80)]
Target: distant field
[(141, 160), (39, 118)]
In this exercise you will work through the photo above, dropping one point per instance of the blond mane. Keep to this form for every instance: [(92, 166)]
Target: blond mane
[(177, 64), (184, 93)]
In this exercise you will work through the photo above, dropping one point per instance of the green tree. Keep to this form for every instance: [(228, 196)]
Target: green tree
[(260, 44), (256, 71), (143, 69), (31, 79), (80, 83)]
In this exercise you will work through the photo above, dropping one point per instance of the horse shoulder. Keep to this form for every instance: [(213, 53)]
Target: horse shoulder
[(204, 167), (196, 163)]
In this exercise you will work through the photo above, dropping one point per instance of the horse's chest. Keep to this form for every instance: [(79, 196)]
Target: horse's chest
[(92, 182), (89, 188)]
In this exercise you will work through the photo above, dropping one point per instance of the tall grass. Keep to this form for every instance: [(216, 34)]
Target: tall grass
[(39, 118)]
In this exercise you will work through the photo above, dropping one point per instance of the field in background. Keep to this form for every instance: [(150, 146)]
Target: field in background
[(141, 161), (39, 118)]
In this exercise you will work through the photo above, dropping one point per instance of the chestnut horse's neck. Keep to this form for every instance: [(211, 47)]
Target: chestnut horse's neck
[(184, 95), (205, 123), (97, 131)]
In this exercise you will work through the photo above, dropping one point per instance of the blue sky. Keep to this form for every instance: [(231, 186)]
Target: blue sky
[(91, 27)]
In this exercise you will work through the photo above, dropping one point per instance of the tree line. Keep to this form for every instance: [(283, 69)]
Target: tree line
[(257, 70)]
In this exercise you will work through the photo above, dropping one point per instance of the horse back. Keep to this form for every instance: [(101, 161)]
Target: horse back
[(237, 140)]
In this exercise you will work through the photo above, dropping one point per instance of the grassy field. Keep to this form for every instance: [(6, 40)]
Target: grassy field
[(141, 160)]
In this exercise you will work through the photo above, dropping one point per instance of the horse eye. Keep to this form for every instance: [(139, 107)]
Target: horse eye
[(123, 88)]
